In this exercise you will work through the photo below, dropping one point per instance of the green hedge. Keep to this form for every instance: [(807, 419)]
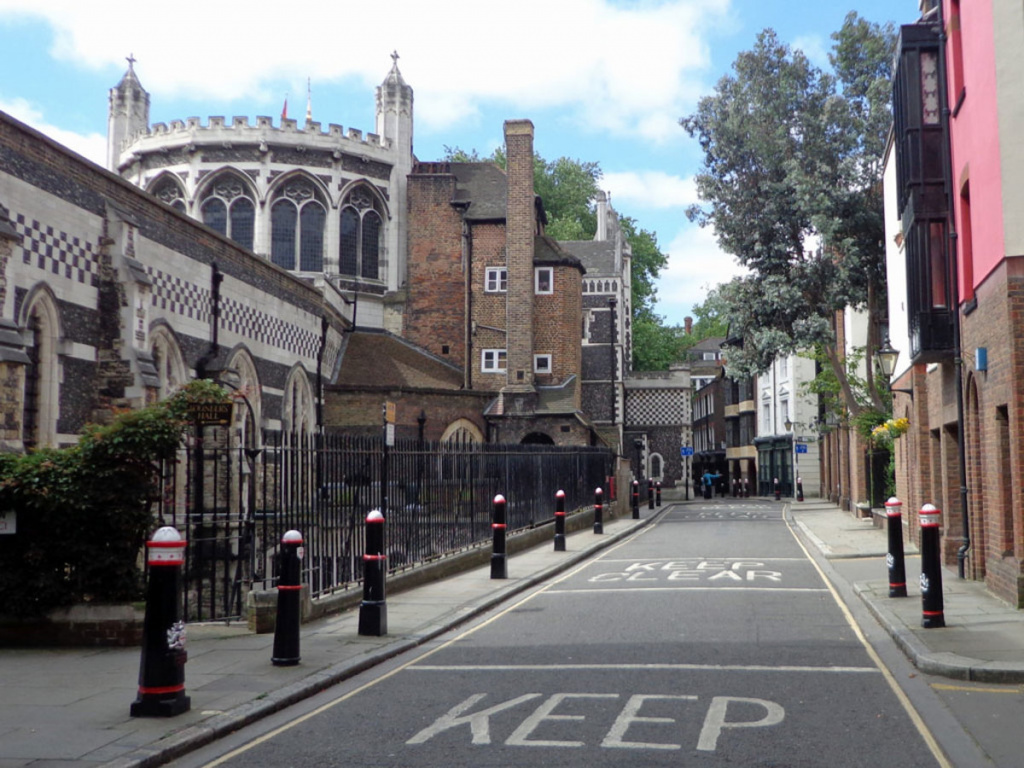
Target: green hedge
[(84, 512)]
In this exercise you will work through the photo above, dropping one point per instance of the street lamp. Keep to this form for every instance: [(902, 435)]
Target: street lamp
[(887, 357)]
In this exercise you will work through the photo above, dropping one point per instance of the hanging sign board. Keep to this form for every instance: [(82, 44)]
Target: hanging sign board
[(210, 413)]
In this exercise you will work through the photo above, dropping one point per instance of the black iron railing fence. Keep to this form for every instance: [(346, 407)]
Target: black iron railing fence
[(437, 499)]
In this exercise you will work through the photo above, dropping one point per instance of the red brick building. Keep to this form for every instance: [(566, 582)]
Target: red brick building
[(492, 298), (956, 283)]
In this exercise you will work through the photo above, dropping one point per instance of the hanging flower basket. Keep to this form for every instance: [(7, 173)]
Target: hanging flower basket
[(890, 429)]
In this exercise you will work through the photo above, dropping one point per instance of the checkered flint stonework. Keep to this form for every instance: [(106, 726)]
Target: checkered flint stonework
[(655, 407)]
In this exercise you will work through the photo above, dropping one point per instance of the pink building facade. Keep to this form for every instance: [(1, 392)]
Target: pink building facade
[(955, 240)]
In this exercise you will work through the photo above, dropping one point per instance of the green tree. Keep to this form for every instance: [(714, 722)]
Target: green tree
[(792, 158)]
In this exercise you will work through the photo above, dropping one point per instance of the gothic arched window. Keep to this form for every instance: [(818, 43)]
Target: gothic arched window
[(171, 370), (297, 220), (362, 229), (227, 207), (168, 190), (41, 396)]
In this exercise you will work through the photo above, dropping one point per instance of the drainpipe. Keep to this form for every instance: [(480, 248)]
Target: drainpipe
[(958, 362)]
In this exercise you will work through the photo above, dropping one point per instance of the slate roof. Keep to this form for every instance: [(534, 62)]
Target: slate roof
[(372, 358), (596, 256), (484, 187), (552, 400), (549, 252)]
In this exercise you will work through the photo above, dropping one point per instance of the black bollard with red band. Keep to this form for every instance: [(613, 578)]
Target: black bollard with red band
[(636, 499), (598, 510), (778, 490), (894, 558), (560, 521), (932, 613), (650, 493), (499, 557), (373, 611), (799, 489), (746, 488), (657, 492), (162, 668), (289, 609)]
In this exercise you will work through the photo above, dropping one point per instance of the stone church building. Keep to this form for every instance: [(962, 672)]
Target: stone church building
[(329, 267)]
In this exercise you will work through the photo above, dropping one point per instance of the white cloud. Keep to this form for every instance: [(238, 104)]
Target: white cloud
[(628, 69), (696, 265), (650, 189), (92, 146)]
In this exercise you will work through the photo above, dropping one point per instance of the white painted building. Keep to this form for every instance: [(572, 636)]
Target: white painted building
[(787, 428)]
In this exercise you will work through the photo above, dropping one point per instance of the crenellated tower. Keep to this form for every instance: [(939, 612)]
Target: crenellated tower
[(322, 201)]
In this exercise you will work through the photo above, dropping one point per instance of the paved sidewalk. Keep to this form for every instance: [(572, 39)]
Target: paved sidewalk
[(63, 706), (983, 639)]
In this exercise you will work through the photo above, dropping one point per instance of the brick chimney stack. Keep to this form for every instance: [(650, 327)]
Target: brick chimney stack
[(520, 226), (688, 325)]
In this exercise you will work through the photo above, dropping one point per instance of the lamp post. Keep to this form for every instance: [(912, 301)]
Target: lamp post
[(612, 301), (639, 445), (232, 379), (791, 427)]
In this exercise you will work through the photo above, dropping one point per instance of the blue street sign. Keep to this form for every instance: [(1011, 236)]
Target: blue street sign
[(685, 451), (801, 448)]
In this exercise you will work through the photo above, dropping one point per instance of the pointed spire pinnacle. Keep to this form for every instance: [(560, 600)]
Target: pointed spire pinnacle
[(309, 100), (394, 76)]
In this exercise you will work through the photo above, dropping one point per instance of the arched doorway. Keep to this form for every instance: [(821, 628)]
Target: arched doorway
[(537, 438)]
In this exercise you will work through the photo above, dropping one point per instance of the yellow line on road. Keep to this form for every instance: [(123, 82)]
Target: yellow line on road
[(904, 700), (1015, 690)]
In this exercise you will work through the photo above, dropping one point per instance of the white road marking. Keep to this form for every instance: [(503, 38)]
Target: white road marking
[(704, 559), (630, 714), (715, 720), (606, 590), (654, 667)]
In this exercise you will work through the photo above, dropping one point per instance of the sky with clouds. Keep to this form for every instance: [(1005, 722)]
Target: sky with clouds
[(604, 81)]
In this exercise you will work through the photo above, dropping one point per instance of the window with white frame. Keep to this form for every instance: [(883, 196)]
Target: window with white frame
[(542, 363), (544, 280), (496, 280), (492, 360), (766, 419), (783, 367)]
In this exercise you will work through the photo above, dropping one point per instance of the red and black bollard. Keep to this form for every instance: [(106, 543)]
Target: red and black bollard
[(373, 611), (636, 499), (560, 521), (894, 558), (499, 557), (598, 511), (932, 614), (289, 592), (657, 492), (778, 490), (162, 668), (799, 489), (650, 493)]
